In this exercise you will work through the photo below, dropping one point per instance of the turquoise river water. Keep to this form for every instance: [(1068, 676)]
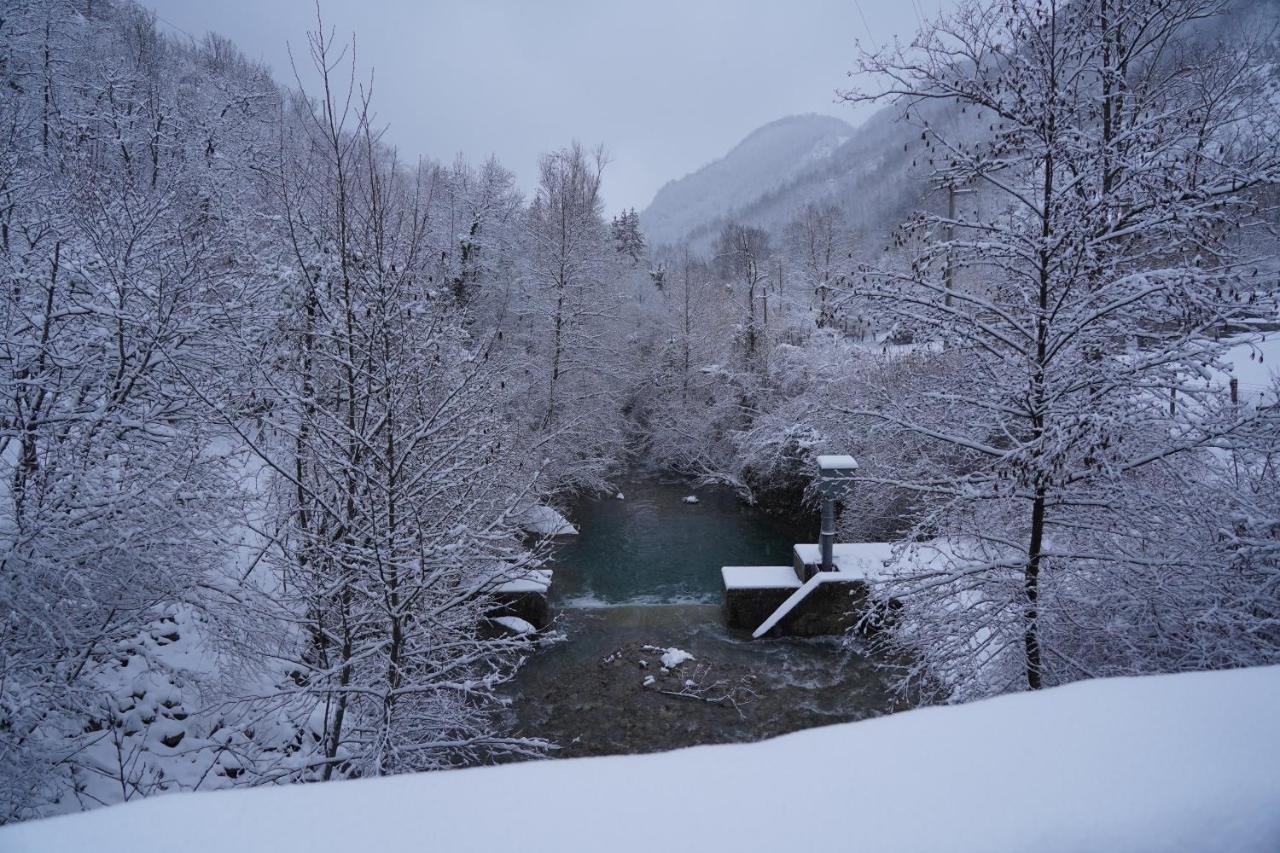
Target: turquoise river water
[(643, 576)]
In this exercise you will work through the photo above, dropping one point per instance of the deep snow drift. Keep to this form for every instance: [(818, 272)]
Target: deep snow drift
[(1164, 763)]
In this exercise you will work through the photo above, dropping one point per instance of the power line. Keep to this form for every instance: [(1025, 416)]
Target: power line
[(858, 5), (172, 25), (915, 4)]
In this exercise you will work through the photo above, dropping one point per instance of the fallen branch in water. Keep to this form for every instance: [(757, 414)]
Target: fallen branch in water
[(720, 692)]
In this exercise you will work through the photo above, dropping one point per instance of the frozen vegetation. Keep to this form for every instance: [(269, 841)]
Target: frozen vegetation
[(286, 418)]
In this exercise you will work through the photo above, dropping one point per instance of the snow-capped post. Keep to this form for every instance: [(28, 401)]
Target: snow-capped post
[(835, 476)]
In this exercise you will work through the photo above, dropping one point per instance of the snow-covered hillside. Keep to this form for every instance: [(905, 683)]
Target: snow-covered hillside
[(1164, 763), (876, 173), (767, 158)]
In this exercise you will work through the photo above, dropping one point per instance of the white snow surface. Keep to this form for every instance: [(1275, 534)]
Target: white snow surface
[(836, 462), (1255, 362), (759, 577), (547, 521), (515, 624), (672, 658), (531, 580), (1164, 763), (863, 560)]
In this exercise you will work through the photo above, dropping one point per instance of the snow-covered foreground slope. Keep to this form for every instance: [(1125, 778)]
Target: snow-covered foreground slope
[(1168, 763)]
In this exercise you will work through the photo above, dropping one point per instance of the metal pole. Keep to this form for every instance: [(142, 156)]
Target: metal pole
[(950, 269), (827, 536), (949, 273)]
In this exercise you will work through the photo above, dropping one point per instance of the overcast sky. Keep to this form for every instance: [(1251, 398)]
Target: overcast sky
[(665, 85)]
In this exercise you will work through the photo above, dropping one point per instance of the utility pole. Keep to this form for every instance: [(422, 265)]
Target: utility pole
[(782, 303), (950, 274), (684, 391), (764, 290)]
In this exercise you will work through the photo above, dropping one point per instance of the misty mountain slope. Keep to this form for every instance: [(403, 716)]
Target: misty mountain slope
[(877, 175), (767, 158)]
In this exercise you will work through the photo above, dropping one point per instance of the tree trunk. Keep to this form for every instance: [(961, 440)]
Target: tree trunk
[(1031, 583)]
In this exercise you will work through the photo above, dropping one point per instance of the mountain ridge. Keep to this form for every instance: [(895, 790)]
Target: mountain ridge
[(876, 172), (764, 159)]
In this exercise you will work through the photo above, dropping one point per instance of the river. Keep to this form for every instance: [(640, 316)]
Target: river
[(644, 576)]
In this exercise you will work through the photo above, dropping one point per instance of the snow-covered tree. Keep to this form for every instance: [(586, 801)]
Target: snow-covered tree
[(482, 208), (741, 254), (119, 219), (627, 238), (1075, 390), (395, 480), (242, 403), (819, 243), (691, 397), (568, 319)]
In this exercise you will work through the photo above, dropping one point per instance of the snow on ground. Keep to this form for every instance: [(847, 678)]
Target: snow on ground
[(882, 347), (1255, 362), (547, 521), (1164, 763), (167, 737), (671, 656)]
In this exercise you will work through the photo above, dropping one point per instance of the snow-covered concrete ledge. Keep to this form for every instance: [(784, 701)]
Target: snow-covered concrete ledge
[(751, 593), (801, 600), (861, 560), (759, 577), (1166, 763), (795, 599)]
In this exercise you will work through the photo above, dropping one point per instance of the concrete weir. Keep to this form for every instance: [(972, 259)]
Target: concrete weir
[(801, 600)]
